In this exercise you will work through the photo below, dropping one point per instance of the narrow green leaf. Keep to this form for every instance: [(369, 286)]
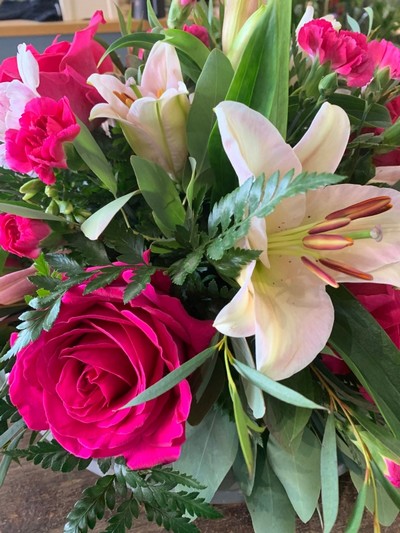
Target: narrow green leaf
[(354, 25), (299, 472), (94, 226), (152, 17), (242, 429), (173, 378), (6, 460), (28, 212), (189, 45), (370, 13), (354, 523), (373, 358), (274, 388), (160, 193), (269, 506), (11, 432), (329, 475), (211, 88), (139, 39), (93, 156)]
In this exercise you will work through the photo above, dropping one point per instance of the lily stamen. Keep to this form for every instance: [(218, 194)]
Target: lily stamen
[(327, 242), (346, 269), (367, 208)]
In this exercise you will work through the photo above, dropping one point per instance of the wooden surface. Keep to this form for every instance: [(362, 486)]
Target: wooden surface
[(34, 500)]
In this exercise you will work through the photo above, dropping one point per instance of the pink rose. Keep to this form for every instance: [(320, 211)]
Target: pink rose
[(21, 236), (64, 68), (99, 354), (346, 51), (38, 144), (198, 31), (16, 285), (386, 54), (393, 473)]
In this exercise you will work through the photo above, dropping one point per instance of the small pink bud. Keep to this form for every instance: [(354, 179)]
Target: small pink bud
[(14, 286)]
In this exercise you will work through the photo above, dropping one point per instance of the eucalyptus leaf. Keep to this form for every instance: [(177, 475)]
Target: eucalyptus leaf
[(209, 451), (354, 26), (370, 354), (160, 193), (94, 226), (173, 378), (93, 156), (354, 523), (329, 475), (28, 212), (274, 388), (299, 472), (269, 506)]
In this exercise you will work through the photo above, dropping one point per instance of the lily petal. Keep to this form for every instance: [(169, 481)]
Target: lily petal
[(28, 68), (323, 145), (237, 318), (294, 318), (252, 143), (162, 70), (109, 87), (389, 175)]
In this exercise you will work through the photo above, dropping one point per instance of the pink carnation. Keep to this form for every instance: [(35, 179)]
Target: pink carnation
[(386, 54), (38, 144), (21, 236), (346, 51), (65, 66), (198, 31), (100, 353), (393, 473)]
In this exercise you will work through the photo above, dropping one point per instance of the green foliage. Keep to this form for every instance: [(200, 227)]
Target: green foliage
[(153, 490), (141, 278), (50, 455)]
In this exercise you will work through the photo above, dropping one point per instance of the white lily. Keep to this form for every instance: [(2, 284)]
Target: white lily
[(322, 237), (153, 115)]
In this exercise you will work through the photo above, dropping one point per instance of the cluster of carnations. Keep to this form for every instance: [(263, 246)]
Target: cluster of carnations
[(190, 201)]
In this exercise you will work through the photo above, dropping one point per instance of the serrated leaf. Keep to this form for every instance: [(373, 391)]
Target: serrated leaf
[(329, 475), (64, 264), (182, 268), (141, 278), (173, 378), (107, 276)]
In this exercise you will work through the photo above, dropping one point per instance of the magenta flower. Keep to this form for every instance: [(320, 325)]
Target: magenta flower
[(37, 146), (346, 51), (386, 54), (21, 236), (100, 353), (393, 473), (198, 31)]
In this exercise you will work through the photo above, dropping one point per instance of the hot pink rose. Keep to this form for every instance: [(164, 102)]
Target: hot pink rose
[(21, 236), (198, 31), (99, 354), (38, 144), (64, 68), (386, 54), (346, 51)]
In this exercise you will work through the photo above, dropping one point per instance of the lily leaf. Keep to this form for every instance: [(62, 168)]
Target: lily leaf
[(27, 212)]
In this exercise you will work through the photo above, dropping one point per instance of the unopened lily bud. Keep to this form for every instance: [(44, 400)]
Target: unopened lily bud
[(66, 208), (16, 285), (52, 208), (32, 187), (241, 40), (236, 13), (179, 12), (328, 84), (51, 192)]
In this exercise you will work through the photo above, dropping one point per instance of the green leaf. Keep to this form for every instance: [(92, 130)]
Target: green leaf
[(209, 451), (28, 212), (106, 276), (152, 17), (94, 226), (372, 357), (354, 26), (211, 89), (173, 378), (391, 491), (93, 156), (141, 278), (190, 45), (12, 432), (268, 503), (64, 264), (361, 112), (329, 475), (139, 39), (160, 193), (299, 472), (6, 460), (274, 388), (354, 523), (241, 421)]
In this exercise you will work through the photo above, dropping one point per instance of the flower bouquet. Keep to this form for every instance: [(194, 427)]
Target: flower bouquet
[(200, 246)]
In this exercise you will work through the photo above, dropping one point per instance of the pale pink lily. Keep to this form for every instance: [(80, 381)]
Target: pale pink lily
[(16, 285), (309, 241), (14, 95), (236, 13), (153, 115)]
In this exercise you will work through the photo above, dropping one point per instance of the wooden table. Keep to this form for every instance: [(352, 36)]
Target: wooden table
[(34, 500)]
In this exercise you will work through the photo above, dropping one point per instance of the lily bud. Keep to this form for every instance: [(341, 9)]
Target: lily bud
[(328, 84), (179, 12), (14, 286), (241, 40), (235, 15)]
